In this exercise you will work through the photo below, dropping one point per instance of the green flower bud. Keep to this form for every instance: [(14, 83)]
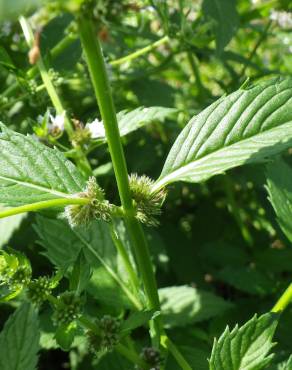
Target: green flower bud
[(15, 273), (68, 310), (108, 337), (39, 290), (97, 208), (152, 357), (148, 203)]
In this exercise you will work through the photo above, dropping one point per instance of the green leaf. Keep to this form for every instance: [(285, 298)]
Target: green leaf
[(65, 335), (246, 279), (246, 347), (279, 187), (135, 320), (287, 365), (63, 245), (243, 127), (225, 17), (130, 121), (8, 226), (80, 275), (105, 289), (183, 305), (19, 340), (197, 359), (31, 172)]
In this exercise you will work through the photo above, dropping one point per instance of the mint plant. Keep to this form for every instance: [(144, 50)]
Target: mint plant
[(140, 270)]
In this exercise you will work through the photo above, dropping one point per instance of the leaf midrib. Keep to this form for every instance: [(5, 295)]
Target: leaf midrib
[(35, 186), (163, 181)]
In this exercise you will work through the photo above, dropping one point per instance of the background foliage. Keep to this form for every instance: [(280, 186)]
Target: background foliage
[(221, 253)]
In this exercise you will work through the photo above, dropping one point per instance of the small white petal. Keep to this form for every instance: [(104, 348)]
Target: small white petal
[(58, 121), (96, 129)]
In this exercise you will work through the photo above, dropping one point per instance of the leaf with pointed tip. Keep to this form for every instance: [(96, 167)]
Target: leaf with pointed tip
[(184, 305), (244, 127), (287, 365), (246, 347), (31, 172), (137, 319), (19, 340), (225, 17), (279, 187)]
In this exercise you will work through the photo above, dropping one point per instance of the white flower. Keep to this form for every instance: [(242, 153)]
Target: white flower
[(57, 122), (284, 19), (96, 129)]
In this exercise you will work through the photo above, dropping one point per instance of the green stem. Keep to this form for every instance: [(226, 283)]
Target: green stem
[(131, 356), (138, 53), (29, 37), (167, 343), (81, 158), (32, 207), (103, 94), (32, 72), (256, 46), (123, 253), (193, 64), (136, 303), (284, 300)]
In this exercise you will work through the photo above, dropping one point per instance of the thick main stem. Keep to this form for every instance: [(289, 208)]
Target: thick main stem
[(103, 94)]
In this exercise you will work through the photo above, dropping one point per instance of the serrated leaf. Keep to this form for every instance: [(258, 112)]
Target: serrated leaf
[(246, 347), (183, 305), (63, 245), (31, 172), (8, 226), (287, 365), (243, 127), (225, 17), (19, 340), (279, 187), (130, 121)]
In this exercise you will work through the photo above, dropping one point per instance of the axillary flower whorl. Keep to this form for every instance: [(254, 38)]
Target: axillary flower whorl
[(148, 203), (97, 208)]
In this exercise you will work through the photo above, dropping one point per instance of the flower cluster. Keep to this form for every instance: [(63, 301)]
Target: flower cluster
[(148, 203), (152, 357), (109, 328), (284, 19), (68, 309), (39, 289), (97, 208), (15, 270)]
